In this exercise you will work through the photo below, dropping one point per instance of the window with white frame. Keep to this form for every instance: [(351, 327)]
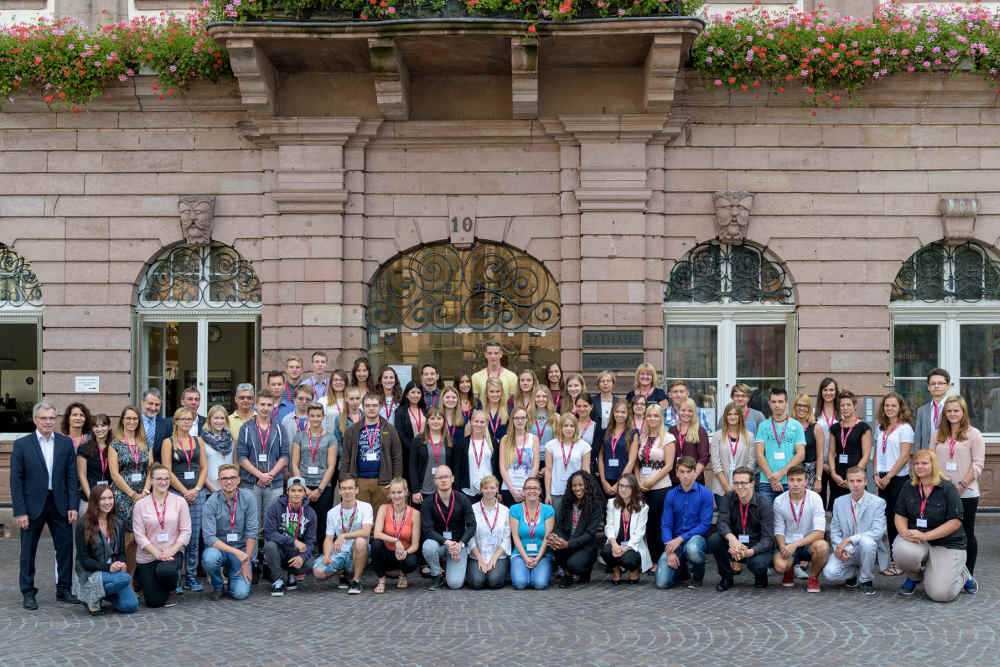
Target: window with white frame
[(20, 331), (730, 318), (946, 313)]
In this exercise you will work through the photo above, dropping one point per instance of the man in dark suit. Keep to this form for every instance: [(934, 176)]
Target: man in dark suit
[(157, 428), (43, 486), (190, 399)]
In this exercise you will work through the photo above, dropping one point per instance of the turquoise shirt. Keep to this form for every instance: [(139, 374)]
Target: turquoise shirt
[(532, 545), (779, 454)]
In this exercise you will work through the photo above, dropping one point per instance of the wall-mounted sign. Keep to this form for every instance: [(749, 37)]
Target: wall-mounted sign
[(88, 384), (612, 338), (614, 361)]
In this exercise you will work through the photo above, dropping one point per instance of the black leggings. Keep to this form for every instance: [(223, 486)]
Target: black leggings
[(891, 494), (630, 560), (323, 505), (577, 561), (654, 541), (384, 559), (159, 578), (969, 526)]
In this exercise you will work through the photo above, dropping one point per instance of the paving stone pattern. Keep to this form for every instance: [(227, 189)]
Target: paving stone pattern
[(596, 624)]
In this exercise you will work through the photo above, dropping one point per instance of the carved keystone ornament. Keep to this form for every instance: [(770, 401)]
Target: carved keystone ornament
[(197, 213), (732, 214), (958, 219)]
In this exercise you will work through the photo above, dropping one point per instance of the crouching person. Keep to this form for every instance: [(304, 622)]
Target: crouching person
[(289, 537), (345, 548)]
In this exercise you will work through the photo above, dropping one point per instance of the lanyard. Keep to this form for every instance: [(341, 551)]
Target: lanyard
[(844, 437), (539, 429), (854, 515), (134, 451), (435, 401), (300, 424), (520, 450), (314, 450), (467, 413), (188, 454), (562, 453), (232, 512), (265, 436), (636, 428), (289, 390), (576, 516), (451, 508), (346, 527), (923, 498), (802, 510), (489, 375), (626, 521), (372, 433), (482, 451), (952, 444), (160, 518), (615, 441), (532, 525), (388, 407), (496, 517), (104, 462), (495, 423), (774, 428), (435, 448), (936, 413), (745, 513), (451, 429), (885, 437), (417, 419), (298, 520), (734, 444), (673, 414), (648, 449), (397, 528)]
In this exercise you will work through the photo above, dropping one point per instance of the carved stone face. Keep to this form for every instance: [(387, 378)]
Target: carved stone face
[(197, 216), (732, 214)]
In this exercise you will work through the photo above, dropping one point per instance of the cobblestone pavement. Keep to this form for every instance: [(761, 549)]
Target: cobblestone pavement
[(596, 624)]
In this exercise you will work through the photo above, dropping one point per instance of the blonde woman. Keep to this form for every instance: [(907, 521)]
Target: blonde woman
[(963, 451), (802, 410), (543, 416), (349, 415), (475, 456), (692, 439), (656, 447), (732, 447), (218, 438), (490, 549), (563, 457), (397, 536), (644, 385), (185, 458), (524, 395), (495, 408), (519, 457)]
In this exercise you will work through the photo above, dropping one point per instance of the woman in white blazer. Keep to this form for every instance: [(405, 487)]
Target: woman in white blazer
[(625, 529)]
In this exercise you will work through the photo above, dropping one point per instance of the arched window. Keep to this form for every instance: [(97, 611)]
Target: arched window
[(729, 313), (945, 306), (20, 331), (440, 303), (197, 311)]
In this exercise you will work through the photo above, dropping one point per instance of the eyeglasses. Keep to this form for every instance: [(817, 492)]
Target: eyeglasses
[(937, 384), (244, 398), (228, 479), (741, 483)]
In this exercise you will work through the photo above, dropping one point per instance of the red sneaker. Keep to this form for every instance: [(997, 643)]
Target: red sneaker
[(788, 581), (813, 585)]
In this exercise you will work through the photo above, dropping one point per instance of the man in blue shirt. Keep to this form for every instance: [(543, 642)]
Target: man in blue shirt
[(687, 517), (781, 444), (678, 393)]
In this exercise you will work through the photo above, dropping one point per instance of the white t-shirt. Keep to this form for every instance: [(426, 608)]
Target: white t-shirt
[(561, 468), (885, 461), (338, 516), (477, 471), (487, 540), (809, 513), (606, 413)]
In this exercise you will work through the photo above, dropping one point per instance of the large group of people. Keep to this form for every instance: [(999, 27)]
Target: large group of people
[(495, 478)]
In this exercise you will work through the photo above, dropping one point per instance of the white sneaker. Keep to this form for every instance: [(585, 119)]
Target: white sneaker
[(800, 573)]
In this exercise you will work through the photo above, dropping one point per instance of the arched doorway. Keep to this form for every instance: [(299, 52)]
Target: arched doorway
[(439, 304), (197, 325), (21, 333)]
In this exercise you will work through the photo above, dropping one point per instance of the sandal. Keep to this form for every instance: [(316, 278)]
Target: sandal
[(402, 582), (380, 586), (616, 578), (893, 571)]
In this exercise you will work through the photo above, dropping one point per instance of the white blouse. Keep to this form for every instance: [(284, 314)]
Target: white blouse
[(488, 539), (885, 461)]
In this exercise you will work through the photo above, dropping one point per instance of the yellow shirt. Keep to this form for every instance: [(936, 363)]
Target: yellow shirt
[(236, 422), (507, 377)]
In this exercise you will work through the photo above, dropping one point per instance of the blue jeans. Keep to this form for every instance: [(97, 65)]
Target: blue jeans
[(214, 560), (765, 491), (692, 551), (192, 549), (118, 589), (454, 572), (538, 577)]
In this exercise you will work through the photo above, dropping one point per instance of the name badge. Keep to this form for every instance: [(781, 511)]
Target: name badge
[(492, 542), (951, 467), (517, 478), (779, 456), (794, 537), (531, 548), (921, 523), (842, 458), (135, 477), (312, 470), (262, 458), (162, 537), (100, 482), (371, 456), (109, 561), (732, 469), (744, 539), (613, 463), (232, 537), (433, 470), (189, 474), (646, 471), (447, 534)]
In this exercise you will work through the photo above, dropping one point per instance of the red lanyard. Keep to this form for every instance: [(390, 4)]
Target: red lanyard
[(844, 437), (829, 419), (952, 444), (188, 454), (496, 517), (674, 416), (264, 436), (288, 390), (774, 428), (746, 415), (104, 461), (451, 508), (923, 498), (885, 437), (495, 422), (346, 527), (451, 429), (435, 448), (160, 518), (482, 451), (734, 444), (539, 430), (648, 449), (134, 451), (615, 441), (435, 401), (532, 525), (745, 513), (936, 414), (556, 397), (314, 450), (232, 512), (853, 515), (372, 433), (634, 427), (576, 516), (647, 394), (580, 424), (562, 453), (77, 443), (300, 424), (499, 373), (520, 450), (388, 408), (418, 419), (298, 521), (397, 528), (802, 510), (626, 521)]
